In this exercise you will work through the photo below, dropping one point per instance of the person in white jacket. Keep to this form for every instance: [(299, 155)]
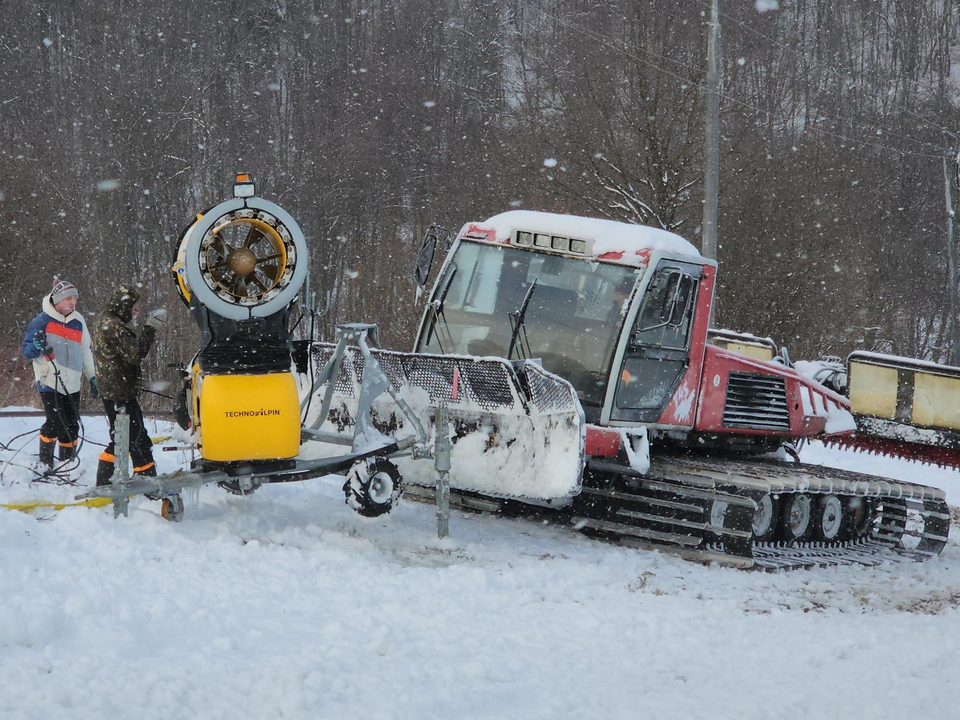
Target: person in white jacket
[(58, 343)]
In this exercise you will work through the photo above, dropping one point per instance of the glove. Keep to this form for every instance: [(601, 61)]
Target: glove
[(156, 318), (41, 344), (94, 388)]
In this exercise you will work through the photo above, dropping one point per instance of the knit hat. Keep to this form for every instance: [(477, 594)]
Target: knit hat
[(61, 291)]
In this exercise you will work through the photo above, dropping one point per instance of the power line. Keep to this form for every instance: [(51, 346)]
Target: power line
[(606, 43), (875, 73)]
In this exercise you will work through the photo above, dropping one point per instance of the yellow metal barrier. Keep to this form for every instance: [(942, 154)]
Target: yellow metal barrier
[(905, 390)]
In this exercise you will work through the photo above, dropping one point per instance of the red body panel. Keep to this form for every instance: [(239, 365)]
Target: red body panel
[(682, 408), (808, 403), (602, 442)]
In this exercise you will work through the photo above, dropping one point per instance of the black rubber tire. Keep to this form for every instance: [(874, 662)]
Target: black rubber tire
[(171, 508), (787, 504), (233, 487), (373, 487), (824, 509)]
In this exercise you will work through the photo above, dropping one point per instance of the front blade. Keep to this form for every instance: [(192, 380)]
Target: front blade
[(518, 430)]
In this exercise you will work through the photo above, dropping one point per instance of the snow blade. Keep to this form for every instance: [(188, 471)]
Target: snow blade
[(518, 430)]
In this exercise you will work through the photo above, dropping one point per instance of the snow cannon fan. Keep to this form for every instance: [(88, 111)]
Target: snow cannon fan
[(238, 268)]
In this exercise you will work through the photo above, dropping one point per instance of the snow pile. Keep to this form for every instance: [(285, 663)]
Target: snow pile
[(839, 420), (830, 372)]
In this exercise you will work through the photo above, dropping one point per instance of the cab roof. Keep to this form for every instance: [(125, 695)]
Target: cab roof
[(608, 240)]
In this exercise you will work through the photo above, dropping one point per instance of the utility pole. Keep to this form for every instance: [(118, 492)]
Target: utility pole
[(711, 171), (953, 351)]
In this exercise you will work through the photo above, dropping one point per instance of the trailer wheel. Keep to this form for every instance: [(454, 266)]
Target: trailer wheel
[(829, 519), (373, 487), (172, 508), (796, 517)]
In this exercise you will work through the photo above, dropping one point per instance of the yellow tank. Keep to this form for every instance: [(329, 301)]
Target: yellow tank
[(248, 417)]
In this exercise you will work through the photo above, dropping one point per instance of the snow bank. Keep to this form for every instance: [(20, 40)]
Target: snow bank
[(286, 604)]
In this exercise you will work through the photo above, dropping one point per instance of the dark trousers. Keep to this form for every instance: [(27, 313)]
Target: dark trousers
[(140, 444), (63, 418)]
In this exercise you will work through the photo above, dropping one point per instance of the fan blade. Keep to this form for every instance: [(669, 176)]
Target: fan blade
[(259, 282), (250, 240), (270, 272)]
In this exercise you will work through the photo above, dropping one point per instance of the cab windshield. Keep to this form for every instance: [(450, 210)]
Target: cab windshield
[(571, 321)]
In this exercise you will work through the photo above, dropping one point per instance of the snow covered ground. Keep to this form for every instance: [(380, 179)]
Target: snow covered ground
[(287, 605)]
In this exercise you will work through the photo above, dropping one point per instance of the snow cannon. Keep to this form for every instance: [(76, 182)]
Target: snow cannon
[(238, 268)]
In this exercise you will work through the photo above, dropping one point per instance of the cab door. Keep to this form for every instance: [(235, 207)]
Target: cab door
[(658, 350)]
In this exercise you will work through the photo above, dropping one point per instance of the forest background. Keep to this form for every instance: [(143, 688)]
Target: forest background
[(369, 120)]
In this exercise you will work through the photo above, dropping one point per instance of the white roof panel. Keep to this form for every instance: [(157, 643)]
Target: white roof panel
[(633, 243)]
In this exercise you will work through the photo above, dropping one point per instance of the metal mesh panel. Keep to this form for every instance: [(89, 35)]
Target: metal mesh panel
[(487, 383), (548, 393), (321, 353), (490, 384)]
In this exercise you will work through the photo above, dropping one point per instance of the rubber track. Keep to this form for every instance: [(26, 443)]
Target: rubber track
[(669, 507)]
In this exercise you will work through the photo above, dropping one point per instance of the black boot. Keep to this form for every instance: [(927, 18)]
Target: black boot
[(104, 472), (46, 451), (67, 452)]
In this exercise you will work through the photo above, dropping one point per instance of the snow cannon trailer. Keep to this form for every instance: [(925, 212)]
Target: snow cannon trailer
[(239, 267), (687, 441)]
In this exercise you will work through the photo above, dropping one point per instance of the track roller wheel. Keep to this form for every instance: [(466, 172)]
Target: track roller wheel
[(373, 487), (765, 518), (171, 508), (718, 513), (861, 512), (829, 519), (796, 517)]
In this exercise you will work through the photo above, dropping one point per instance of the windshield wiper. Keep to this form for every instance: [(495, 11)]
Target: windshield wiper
[(516, 322), (438, 314)]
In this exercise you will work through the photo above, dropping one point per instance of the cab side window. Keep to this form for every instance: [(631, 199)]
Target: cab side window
[(666, 316)]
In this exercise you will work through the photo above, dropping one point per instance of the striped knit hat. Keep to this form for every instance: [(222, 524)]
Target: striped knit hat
[(61, 291)]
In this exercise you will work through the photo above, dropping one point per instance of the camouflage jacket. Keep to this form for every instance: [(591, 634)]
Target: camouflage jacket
[(118, 349)]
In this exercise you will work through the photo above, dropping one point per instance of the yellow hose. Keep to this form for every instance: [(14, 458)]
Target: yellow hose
[(28, 506)]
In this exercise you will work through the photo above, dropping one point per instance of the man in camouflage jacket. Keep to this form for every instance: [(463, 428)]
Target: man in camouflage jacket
[(118, 351)]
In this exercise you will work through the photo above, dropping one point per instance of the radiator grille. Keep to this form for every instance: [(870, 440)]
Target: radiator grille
[(756, 401)]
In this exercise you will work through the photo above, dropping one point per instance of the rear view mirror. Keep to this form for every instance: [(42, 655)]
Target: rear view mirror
[(425, 256)]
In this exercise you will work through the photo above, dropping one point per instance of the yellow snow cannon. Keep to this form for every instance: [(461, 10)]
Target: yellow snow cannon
[(238, 268)]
